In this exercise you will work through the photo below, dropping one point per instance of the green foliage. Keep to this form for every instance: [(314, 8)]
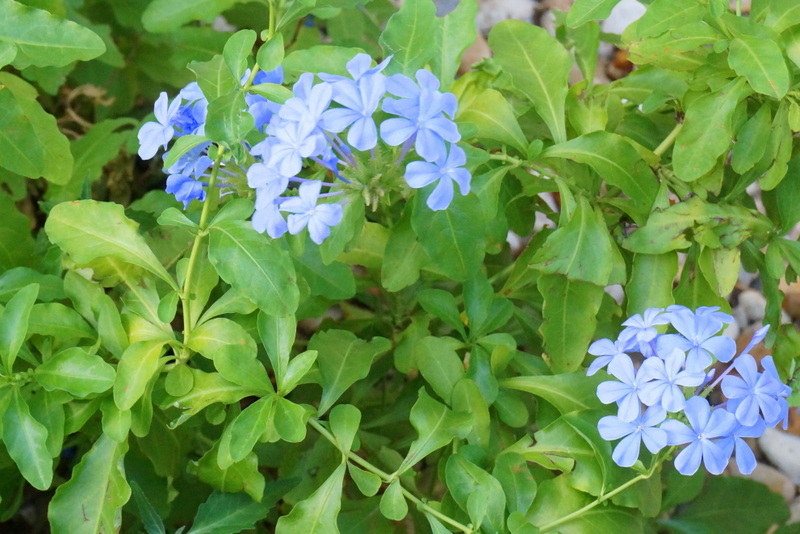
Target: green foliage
[(174, 370)]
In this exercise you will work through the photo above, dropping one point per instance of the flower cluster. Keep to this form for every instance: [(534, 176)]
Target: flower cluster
[(324, 136), (673, 380)]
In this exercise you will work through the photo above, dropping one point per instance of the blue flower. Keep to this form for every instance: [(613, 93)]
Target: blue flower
[(266, 180), (259, 107), (705, 437), (753, 393), (663, 380), (606, 351), (185, 186), (267, 216), (641, 429), (735, 443), (447, 169), (624, 391), (698, 337), (306, 212), (153, 135), (420, 111), (360, 98), (292, 142), (643, 330)]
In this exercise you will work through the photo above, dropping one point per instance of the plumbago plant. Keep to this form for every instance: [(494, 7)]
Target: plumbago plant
[(316, 322)]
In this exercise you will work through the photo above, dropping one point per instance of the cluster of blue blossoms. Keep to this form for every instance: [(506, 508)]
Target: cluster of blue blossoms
[(308, 130), (673, 380)]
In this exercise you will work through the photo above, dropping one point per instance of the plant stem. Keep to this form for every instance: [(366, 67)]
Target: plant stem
[(644, 476), (388, 479), (211, 198), (667, 142), (738, 8)]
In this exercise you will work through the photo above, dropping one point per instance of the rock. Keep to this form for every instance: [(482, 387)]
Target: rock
[(490, 12), (776, 481), (783, 451), (794, 511), (622, 16), (751, 308), (478, 51)]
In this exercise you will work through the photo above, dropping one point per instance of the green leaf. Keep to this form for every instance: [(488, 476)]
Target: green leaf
[(77, 372), (707, 131), (244, 431), (343, 360), (477, 492), (650, 285), (750, 146), (581, 250), (556, 500), (511, 470), (228, 513), (151, 521), (48, 408), (88, 230), (567, 392), (732, 504), (403, 256), (570, 316), (238, 48), (91, 501), (228, 119), (42, 39), (214, 77), (334, 281), (30, 142), (467, 398), (393, 504), (25, 439), (208, 388), (368, 483), (290, 420), (221, 334), (539, 68), (167, 15), (56, 320), (277, 335), (761, 61), (321, 58), (270, 55), (298, 368), (665, 15), (255, 265), (116, 422), (492, 115), (138, 364), (240, 476), (436, 426), (453, 238), (344, 420), (585, 10), (409, 37), (617, 162), (92, 152), (455, 32), (442, 304), (440, 365), (316, 514), (14, 324), (782, 15), (272, 91)]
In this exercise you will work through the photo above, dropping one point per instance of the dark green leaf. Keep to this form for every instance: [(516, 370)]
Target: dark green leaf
[(343, 360), (151, 521), (316, 514), (650, 285), (30, 141), (228, 119), (436, 426), (255, 265), (393, 503), (42, 39), (440, 365), (25, 439), (228, 513), (88, 230), (410, 36), (14, 324), (91, 501), (538, 66), (477, 492), (568, 392), (511, 470), (77, 372)]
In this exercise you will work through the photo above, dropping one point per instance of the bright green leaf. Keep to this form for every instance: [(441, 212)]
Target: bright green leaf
[(77, 372), (410, 36), (393, 504), (585, 10), (316, 514), (25, 439), (761, 61), (14, 324), (138, 364)]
